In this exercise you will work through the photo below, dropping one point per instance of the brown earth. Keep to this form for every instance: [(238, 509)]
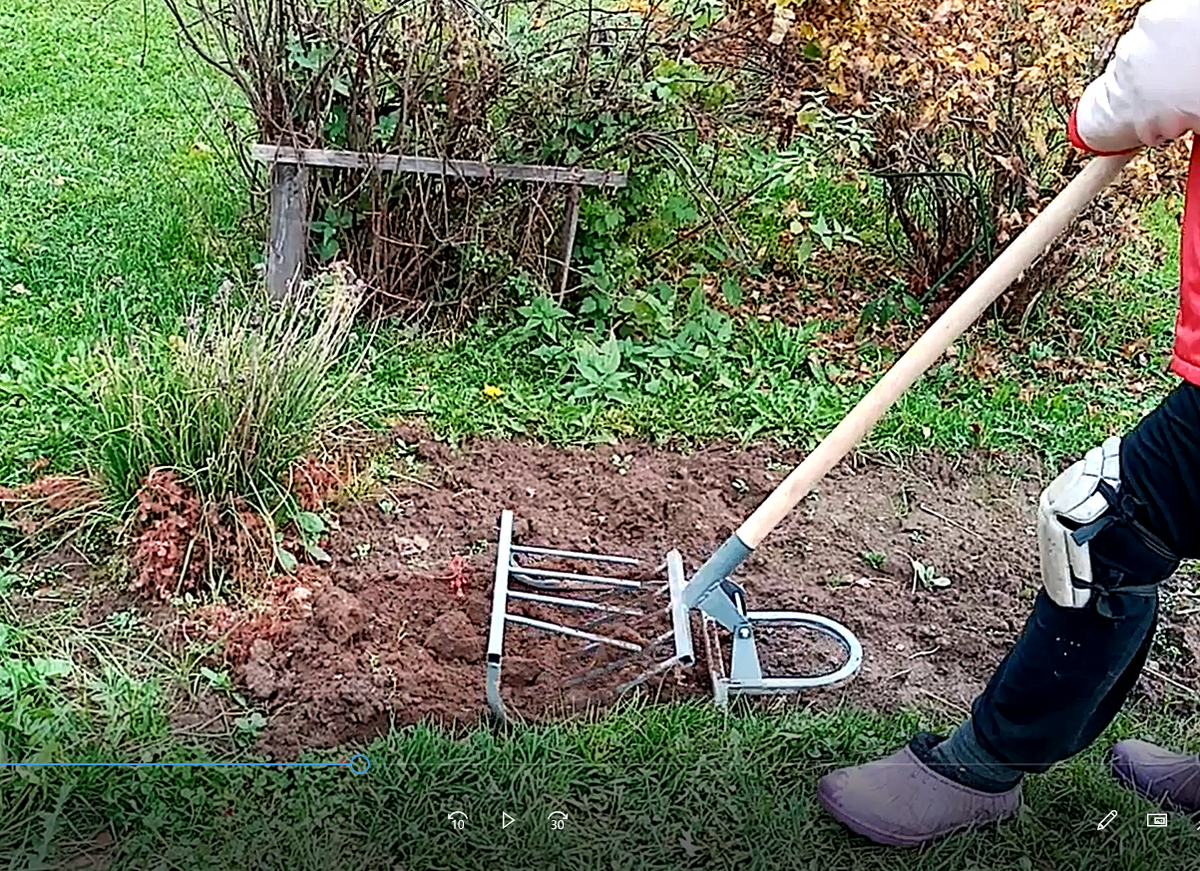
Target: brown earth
[(394, 628), (388, 638)]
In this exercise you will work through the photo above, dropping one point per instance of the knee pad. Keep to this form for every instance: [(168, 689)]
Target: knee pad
[(1084, 502)]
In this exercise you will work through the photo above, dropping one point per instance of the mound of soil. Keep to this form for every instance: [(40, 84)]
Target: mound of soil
[(386, 635)]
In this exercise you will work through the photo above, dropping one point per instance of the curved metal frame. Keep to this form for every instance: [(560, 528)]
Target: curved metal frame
[(724, 686)]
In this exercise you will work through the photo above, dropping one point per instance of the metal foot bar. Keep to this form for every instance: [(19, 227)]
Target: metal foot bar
[(725, 686)]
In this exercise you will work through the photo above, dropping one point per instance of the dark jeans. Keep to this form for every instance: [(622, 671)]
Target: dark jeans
[(1071, 669)]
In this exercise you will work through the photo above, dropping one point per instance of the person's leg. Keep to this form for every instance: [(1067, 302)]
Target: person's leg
[(1108, 709), (1054, 693), (1058, 688), (1169, 777), (1071, 668)]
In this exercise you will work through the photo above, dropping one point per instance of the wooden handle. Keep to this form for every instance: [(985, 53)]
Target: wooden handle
[(1015, 259)]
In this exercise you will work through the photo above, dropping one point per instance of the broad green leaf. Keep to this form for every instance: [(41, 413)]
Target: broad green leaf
[(310, 524), (732, 291), (286, 561), (610, 356)]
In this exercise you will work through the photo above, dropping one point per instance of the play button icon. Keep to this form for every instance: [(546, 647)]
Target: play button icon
[(507, 820)]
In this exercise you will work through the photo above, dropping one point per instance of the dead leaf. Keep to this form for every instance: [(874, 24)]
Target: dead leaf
[(945, 9), (781, 23), (1136, 346)]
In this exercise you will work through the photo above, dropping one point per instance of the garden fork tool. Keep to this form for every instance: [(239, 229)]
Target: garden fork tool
[(711, 591), (521, 577)]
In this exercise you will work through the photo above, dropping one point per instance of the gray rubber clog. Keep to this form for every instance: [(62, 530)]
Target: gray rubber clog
[(899, 801), (1171, 779)]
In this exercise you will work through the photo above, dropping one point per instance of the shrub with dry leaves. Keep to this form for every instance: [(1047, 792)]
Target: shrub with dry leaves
[(968, 104)]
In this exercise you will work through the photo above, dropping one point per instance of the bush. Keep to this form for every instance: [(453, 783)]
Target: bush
[(228, 408), (206, 427), (234, 402), (968, 106), (504, 82)]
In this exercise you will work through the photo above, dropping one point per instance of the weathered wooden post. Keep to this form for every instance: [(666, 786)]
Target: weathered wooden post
[(566, 238), (287, 237)]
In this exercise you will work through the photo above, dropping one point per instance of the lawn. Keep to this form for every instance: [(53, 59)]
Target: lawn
[(120, 209)]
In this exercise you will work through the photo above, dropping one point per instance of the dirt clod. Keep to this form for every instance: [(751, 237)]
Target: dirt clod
[(521, 671), (339, 613), (259, 677), (452, 636)]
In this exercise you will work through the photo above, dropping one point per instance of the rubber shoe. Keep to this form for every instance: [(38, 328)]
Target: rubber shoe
[(901, 802), (1171, 779)]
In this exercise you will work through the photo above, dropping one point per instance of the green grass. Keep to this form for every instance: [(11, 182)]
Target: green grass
[(113, 221), (645, 787), (110, 217), (765, 388)]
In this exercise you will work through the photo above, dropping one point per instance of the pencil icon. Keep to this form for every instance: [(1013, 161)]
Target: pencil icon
[(1108, 818)]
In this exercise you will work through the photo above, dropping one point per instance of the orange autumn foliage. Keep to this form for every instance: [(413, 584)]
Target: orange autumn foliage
[(968, 102)]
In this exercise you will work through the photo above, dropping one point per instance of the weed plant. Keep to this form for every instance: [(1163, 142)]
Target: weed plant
[(233, 402)]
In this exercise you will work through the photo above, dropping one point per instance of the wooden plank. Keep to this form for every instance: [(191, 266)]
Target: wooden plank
[(566, 239), (287, 236), (326, 157)]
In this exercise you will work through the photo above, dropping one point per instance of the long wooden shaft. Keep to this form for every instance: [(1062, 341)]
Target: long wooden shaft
[(1014, 260)]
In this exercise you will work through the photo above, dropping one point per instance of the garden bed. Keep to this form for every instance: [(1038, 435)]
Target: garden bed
[(381, 634)]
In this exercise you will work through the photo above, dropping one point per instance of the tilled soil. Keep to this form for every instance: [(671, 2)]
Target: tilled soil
[(389, 639), (394, 629)]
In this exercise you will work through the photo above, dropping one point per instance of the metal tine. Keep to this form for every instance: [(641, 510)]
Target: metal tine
[(623, 662), (517, 568), (599, 620), (598, 672), (647, 575), (567, 630), (663, 666), (547, 585), (574, 554), (575, 603), (592, 648), (564, 586), (603, 618)]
